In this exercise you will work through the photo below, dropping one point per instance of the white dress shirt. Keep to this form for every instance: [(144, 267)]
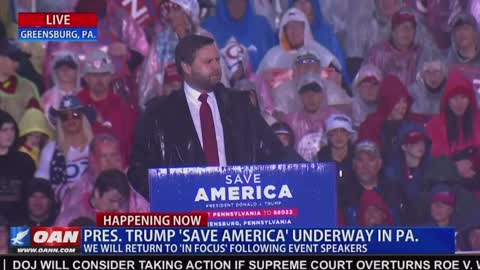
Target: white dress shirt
[(194, 106)]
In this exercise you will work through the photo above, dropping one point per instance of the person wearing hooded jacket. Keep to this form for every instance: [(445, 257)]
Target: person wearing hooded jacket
[(374, 211), (464, 53), (66, 78), (307, 67), (17, 94), (366, 89), (237, 18), (17, 170), (464, 33), (307, 123), (35, 132), (458, 124), (41, 205), (398, 54), (393, 110), (294, 37), (408, 166), (427, 91), (322, 31)]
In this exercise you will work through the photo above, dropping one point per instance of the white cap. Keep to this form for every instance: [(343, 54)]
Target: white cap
[(98, 62), (339, 121)]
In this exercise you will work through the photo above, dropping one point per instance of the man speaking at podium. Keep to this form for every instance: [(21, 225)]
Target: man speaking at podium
[(203, 124)]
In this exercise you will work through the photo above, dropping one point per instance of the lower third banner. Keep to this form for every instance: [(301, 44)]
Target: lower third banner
[(239, 263), (268, 241)]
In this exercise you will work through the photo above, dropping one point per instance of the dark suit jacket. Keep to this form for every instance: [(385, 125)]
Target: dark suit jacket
[(166, 136)]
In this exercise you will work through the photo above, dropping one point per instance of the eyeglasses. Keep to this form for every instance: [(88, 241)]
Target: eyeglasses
[(64, 116), (307, 61)]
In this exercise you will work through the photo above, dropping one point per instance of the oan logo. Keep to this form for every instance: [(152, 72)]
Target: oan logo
[(56, 237)]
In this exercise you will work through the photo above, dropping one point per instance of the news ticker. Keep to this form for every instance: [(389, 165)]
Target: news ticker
[(43, 27), (241, 241), (240, 262)]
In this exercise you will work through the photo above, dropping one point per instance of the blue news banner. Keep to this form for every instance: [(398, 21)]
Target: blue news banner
[(267, 241)]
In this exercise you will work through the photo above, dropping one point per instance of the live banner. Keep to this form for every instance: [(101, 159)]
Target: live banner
[(240, 262), (262, 196)]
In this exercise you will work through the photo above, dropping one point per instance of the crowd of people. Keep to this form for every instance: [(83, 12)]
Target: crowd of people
[(388, 90)]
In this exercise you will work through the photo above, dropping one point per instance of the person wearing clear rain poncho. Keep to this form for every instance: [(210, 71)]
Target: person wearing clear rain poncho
[(307, 67), (322, 31), (65, 70), (399, 54), (377, 27), (294, 36), (238, 72), (465, 42), (464, 53), (427, 91), (307, 123), (366, 89)]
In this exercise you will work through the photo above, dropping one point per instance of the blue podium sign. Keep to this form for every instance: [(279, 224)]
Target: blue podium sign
[(264, 196)]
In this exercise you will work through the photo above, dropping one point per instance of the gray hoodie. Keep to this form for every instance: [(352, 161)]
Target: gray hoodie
[(360, 108), (454, 57), (424, 100)]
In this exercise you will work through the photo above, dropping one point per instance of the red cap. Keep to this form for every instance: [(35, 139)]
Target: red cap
[(171, 74), (402, 17), (444, 197), (414, 137)]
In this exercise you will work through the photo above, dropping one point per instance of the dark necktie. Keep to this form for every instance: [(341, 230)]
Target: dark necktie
[(209, 137)]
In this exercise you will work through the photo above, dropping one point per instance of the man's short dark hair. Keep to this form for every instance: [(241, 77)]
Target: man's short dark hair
[(113, 180), (188, 47)]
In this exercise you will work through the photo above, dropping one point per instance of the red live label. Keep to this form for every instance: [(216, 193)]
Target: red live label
[(56, 236), (33, 19)]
